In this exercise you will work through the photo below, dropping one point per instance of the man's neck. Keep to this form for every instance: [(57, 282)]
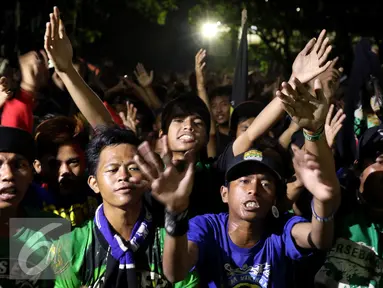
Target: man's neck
[(244, 234), (123, 220), (224, 128)]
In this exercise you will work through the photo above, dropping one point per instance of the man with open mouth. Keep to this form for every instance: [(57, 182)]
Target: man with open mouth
[(17, 230)]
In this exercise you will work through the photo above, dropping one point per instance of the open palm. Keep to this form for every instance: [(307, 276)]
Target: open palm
[(311, 61), (57, 44), (309, 171), (170, 185), (306, 110)]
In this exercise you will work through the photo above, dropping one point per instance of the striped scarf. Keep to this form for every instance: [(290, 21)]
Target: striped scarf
[(121, 251)]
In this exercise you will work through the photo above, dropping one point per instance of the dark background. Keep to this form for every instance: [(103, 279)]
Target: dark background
[(126, 35)]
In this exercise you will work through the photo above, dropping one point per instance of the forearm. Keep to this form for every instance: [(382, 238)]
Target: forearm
[(175, 258), (285, 139), (264, 121), (212, 146), (154, 100), (322, 233), (321, 149), (86, 100)]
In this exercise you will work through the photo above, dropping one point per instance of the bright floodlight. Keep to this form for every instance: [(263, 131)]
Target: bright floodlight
[(298, 9), (209, 30)]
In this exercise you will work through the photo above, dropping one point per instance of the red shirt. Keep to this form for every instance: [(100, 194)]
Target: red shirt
[(18, 112), (116, 118)]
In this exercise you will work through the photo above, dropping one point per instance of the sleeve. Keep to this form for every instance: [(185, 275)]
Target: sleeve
[(291, 249), (116, 118), (18, 112), (200, 232), (222, 161)]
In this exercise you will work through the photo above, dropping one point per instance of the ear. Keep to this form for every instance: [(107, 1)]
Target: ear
[(160, 133), (92, 182), (225, 194), (37, 166)]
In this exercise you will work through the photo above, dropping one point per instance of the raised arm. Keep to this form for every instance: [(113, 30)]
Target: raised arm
[(60, 52), (309, 63), (201, 90), (146, 79), (315, 167), (172, 188)]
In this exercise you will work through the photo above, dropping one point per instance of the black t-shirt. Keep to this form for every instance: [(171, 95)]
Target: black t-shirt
[(222, 142)]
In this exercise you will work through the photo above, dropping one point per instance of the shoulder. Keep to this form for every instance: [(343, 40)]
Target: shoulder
[(208, 222)]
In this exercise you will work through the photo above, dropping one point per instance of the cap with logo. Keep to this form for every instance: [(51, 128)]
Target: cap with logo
[(245, 163), (371, 143)]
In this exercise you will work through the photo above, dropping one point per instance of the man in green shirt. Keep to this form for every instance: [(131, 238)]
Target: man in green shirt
[(123, 246), (356, 259)]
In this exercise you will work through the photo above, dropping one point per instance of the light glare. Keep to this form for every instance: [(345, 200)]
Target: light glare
[(209, 30)]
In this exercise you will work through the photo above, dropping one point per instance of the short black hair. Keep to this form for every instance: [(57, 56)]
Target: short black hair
[(106, 136), (221, 91), (185, 105)]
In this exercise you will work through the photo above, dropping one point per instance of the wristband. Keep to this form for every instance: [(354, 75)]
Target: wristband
[(318, 218), (312, 137), (176, 224)]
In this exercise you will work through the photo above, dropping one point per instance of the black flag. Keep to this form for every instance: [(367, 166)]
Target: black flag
[(240, 91)]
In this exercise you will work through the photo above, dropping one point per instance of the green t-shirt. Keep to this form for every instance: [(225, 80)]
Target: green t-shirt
[(79, 259), (356, 259), (26, 249)]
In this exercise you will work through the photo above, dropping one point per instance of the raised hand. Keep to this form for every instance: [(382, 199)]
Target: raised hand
[(57, 43), (308, 111), (169, 185), (199, 66), (309, 171), (130, 119), (142, 76), (5, 93), (330, 79), (333, 125), (311, 61)]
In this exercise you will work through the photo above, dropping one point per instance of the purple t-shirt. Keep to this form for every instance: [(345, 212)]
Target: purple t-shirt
[(223, 264)]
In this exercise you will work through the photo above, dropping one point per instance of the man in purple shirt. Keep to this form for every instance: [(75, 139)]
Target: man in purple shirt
[(239, 249)]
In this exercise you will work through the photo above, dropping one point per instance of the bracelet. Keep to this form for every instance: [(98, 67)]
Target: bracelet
[(318, 218), (176, 224), (312, 137)]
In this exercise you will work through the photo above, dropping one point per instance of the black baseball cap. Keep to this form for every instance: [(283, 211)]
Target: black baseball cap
[(18, 141), (370, 143), (242, 164), (186, 104), (247, 109)]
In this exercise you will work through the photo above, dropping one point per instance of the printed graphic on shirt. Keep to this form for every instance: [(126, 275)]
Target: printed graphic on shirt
[(248, 276), (351, 264)]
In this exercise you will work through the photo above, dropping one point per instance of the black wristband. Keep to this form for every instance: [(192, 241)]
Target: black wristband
[(176, 224)]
